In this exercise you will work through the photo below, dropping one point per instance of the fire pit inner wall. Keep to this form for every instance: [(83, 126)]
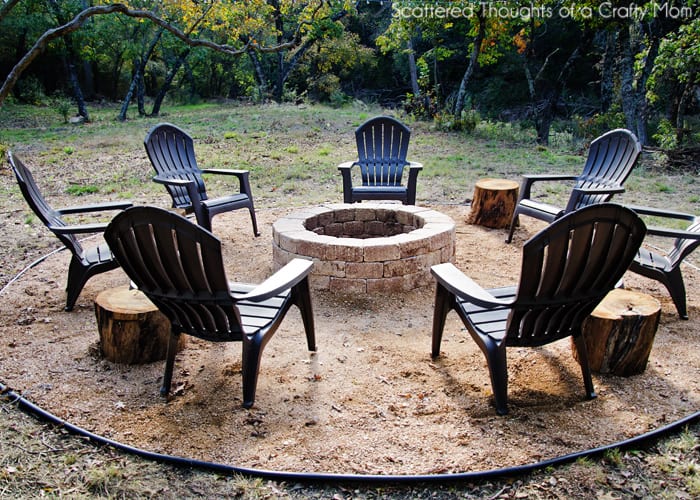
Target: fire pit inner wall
[(366, 247)]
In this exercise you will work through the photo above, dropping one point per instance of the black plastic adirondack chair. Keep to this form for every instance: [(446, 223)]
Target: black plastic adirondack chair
[(567, 269), (85, 262), (171, 151), (666, 267), (611, 158), (382, 147), (179, 267)]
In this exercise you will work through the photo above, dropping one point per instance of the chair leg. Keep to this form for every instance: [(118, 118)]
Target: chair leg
[(513, 223), (301, 297), (251, 209), (77, 277), (585, 367), (443, 300), (252, 353), (498, 371), (169, 363), (676, 287)]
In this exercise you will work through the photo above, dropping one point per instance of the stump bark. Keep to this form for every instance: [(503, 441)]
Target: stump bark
[(132, 329), (493, 203), (620, 332)]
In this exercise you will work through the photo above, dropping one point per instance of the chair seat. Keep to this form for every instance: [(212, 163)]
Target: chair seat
[(258, 315), (226, 201), (652, 260), (544, 211), (98, 254), (379, 190), (489, 322)]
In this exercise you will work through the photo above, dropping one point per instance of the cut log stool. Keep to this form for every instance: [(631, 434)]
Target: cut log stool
[(620, 332), (132, 329), (493, 203)]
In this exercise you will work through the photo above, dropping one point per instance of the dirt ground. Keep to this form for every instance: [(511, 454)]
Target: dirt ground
[(371, 400)]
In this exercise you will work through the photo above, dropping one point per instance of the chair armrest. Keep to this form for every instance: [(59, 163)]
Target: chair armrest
[(413, 165), (673, 233), (347, 165), (345, 169), (225, 171), (98, 227), (463, 286), (667, 214), (98, 207), (550, 177), (284, 279), (174, 181), (242, 175), (659, 212), (528, 180)]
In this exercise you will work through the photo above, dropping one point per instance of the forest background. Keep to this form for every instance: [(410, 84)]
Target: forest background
[(582, 67)]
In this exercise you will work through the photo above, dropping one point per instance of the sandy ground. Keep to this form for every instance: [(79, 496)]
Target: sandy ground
[(371, 400)]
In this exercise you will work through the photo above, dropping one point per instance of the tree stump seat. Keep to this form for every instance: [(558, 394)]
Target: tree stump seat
[(620, 332), (132, 329), (493, 203)]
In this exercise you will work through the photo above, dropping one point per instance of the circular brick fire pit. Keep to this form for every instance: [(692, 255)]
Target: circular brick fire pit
[(366, 247)]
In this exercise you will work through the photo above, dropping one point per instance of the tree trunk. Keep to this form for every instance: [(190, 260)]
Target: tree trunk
[(137, 78), (620, 332), (259, 73), (473, 63), (77, 91), (155, 111), (129, 93), (607, 72), (412, 69)]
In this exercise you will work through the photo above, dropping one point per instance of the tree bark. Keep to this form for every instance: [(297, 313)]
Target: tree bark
[(620, 332), (412, 69), (155, 111), (137, 79), (607, 72), (473, 64), (132, 330)]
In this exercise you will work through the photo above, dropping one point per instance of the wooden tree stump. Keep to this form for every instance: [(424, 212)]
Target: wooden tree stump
[(493, 203), (620, 332), (132, 329)]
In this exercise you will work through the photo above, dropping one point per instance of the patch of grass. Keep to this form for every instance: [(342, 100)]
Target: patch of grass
[(614, 457), (324, 150), (80, 190)]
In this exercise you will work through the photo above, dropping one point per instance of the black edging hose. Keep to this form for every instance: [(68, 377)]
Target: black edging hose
[(14, 398)]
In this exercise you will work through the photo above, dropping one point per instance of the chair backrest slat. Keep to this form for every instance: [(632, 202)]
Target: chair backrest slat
[(179, 266), (171, 151), (611, 158), (568, 268), (382, 147), (41, 208)]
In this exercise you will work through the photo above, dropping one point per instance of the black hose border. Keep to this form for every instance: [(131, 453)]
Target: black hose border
[(639, 441)]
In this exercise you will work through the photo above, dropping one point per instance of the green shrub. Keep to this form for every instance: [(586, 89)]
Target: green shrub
[(62, 105), (591, 127)]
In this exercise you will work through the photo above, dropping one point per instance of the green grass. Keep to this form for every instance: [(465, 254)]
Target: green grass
[(296, 149)]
